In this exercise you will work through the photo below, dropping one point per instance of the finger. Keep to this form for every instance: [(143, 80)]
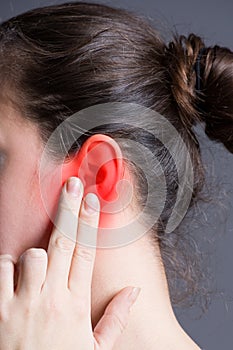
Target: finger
[(82, 264), (32, 271), (6, 277), (115, 319), (64, 235)]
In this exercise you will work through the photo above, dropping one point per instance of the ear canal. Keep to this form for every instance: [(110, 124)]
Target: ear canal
[(106, 180)]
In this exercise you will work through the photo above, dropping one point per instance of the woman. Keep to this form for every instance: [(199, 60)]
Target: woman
[(55, 62)]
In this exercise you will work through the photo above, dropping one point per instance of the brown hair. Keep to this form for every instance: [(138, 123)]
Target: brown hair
[(60, 59)]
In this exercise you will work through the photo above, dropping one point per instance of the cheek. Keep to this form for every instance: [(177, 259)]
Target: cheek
[(49, 192), (16, 216), (24, 220)]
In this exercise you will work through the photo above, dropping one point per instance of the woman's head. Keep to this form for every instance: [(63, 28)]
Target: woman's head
[(58, 60)]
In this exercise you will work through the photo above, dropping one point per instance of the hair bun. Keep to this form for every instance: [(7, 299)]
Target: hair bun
[(210, 102), (216, 96), (181, 55)]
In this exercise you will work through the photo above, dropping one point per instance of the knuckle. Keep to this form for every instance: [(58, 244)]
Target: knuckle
[(115, 321), (83, 254), (29, 308), (89, 222), (52, 308), (64, 243)]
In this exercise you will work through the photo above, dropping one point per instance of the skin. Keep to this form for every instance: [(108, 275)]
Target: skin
[(67, 269), (152, 323)]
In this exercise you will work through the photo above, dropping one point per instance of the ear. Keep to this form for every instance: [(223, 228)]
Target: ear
[(99, 165)]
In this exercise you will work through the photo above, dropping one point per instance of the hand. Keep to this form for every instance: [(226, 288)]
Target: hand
[(50, 308)]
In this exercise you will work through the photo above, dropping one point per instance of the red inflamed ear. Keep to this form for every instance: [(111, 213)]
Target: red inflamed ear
[(99, 164)]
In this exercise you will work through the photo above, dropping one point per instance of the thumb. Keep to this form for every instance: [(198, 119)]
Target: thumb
[(114, 319)]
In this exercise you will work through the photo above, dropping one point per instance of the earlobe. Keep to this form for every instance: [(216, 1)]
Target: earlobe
[(99, 164)]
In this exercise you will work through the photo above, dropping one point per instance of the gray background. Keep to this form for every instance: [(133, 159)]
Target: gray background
[(213, 20)]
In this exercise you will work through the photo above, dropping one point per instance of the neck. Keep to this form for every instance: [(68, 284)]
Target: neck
[(152, 324)]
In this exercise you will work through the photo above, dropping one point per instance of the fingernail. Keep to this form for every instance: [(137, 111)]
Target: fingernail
[(134, 294), (91, 203), (34, 253), (74, 186)]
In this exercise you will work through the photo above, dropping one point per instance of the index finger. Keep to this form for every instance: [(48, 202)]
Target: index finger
[(81, 270), (64, 235)]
